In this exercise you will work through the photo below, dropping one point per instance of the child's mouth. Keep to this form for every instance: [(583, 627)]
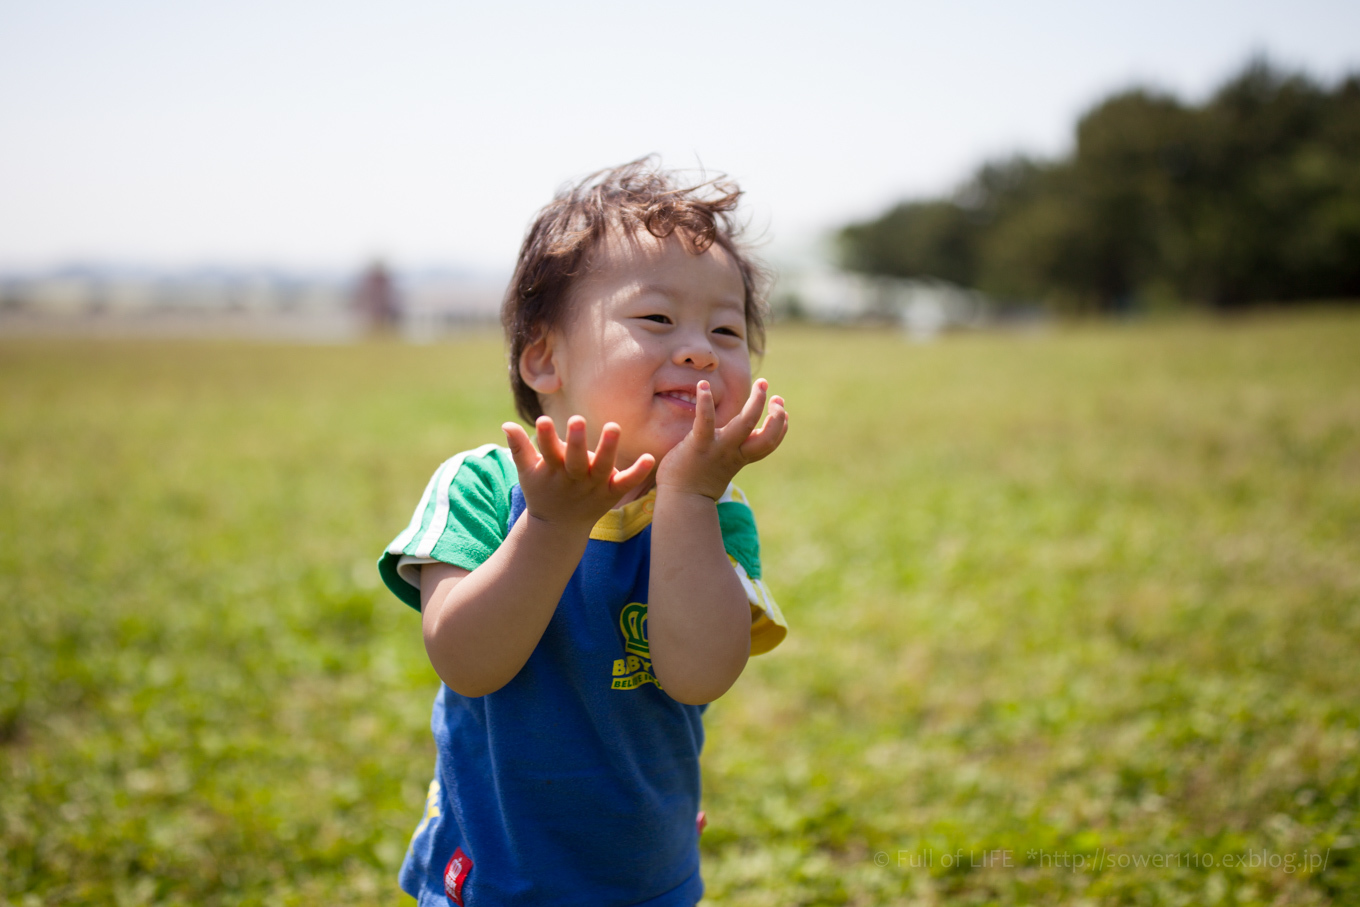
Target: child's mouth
[(679, 398)]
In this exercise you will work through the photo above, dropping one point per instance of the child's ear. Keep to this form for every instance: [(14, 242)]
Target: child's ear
[(537, 366)]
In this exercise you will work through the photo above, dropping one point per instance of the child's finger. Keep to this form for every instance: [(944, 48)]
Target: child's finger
[(746, 420), (578, 455), (607, 450), (705, 417), (549, 445), (523, 453), (764, 442), (776, 406), (625, 480)]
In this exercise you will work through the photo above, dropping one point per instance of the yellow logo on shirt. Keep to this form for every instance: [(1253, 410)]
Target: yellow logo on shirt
[(633, 623), (431, 807), (635, 669)]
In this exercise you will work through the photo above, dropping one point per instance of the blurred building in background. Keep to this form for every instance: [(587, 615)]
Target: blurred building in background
[(418, 305), (263, 303), (443, 302), (376, 300), (922, 307)]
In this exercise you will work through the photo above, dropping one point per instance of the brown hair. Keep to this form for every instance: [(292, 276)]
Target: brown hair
[(632, 196)]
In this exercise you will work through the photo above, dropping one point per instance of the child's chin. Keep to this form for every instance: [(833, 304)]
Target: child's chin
[(664, 445)]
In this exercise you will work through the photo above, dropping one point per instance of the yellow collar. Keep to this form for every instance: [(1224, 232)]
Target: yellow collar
[(622, 523)]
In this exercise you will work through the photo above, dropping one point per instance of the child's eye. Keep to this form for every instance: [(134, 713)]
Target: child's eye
[(659, 319), (731, 332)]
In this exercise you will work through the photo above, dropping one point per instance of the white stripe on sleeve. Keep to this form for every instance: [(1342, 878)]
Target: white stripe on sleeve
[(733, 493), (440, 519), (399, 544)]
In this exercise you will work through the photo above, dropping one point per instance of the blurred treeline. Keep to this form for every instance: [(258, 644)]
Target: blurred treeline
[(1252, 196)]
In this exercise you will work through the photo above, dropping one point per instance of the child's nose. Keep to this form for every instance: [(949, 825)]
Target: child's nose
[(696, 354)]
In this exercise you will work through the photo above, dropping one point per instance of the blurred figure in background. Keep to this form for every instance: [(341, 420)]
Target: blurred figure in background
[(376, 299)]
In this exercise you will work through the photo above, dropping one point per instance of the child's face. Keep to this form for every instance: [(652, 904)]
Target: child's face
[(648, 321)]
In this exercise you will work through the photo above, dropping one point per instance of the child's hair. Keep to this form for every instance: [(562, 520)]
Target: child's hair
[(632, 196)]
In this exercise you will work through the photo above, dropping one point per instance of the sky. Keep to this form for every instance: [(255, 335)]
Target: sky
[(309, 134)]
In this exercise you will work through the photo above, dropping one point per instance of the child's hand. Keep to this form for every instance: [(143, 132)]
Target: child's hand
[(564, 483), (709, 457)]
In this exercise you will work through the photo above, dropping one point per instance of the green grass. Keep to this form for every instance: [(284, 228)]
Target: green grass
[(1095, 591)]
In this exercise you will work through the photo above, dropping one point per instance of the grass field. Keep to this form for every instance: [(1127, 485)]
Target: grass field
[(1076, 619)]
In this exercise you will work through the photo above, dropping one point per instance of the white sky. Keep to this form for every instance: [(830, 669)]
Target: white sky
[(318, 134)]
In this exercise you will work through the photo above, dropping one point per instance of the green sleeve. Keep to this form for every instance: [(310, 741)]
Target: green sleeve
[(739, 535), (461, 519), (738, 524)]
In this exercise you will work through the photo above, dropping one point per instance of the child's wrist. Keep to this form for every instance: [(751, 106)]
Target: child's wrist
[(688, 490), (558, 531), (677, 481)]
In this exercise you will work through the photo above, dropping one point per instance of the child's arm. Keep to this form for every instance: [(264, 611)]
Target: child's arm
[(699, 620), (481, 627)]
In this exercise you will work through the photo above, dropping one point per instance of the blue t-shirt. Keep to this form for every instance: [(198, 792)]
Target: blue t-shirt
[(578, 781)]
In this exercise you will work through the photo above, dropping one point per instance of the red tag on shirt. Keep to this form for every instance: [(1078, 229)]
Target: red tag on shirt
[(454, 875)]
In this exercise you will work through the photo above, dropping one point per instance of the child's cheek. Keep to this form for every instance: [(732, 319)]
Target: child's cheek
[(730, 408), (737, 399)]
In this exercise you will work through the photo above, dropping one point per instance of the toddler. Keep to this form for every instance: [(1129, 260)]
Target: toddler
[(583, 600)]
